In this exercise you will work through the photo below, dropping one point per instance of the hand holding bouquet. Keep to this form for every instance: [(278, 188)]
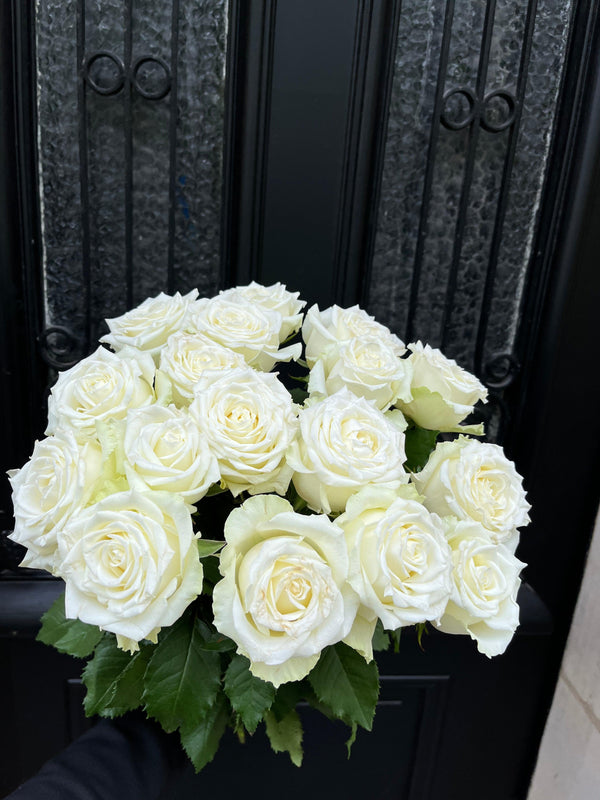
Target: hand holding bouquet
[(346, 519)]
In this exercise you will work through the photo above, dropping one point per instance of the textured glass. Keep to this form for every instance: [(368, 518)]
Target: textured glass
[(132, 154), (451, 239)]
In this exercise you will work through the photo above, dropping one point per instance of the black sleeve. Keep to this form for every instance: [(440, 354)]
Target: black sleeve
[(127, 758)]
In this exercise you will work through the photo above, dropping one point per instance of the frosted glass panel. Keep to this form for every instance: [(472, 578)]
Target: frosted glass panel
[(130, 107), (472, 110)]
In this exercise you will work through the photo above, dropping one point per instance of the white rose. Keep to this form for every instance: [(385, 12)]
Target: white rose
[(187, 355), (55, 484), (284, 595), (443, 393), (323, 329), (474, 480), (275, 297), (485, 582), (165, 450), (245, 327), (102, 386), (400, 562), (130, 564), (148, 326), (369, 366), (249, 420), (344, 443)]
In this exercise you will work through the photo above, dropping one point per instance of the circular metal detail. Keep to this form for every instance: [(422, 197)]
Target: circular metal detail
[(500, 371), (496, 117), (104, 72), (59, 346), (453, 99), (150, 82)]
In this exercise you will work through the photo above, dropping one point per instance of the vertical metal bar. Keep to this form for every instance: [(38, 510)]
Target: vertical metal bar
[(429, 169), (128, 125), (173, 147), (504, 188), (83, 176), (488, 27)]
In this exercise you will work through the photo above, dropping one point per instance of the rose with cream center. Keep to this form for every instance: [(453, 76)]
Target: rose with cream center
[(443, 393), (284, 594), (165, 450), (400, 562), (324, 329), (247, 328), (370, 367), (345, 443), (52, 487), (249, 420), (485, 582), (187, 355), (276, 298), (130, 564), (148, 326), (102, 386), (474, 480)]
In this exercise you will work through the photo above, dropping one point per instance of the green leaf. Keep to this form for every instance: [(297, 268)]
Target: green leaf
[(381, 639), (208, 547), (352, 738), (299, 395), (287, 697), (201, 739), (395, 637), (182, 679), (249, 696), (285, 735), (421, 628), (343, 680), (114, 679), (419, 445), (68, 635), (215, 641), (212, 576)]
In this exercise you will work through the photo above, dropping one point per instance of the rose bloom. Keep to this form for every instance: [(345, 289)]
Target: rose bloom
[(148, 326), (443, 393), (369, 367), (187, 355), (474, 480), (485, 582), (276, 298), (130, 564), (247, 328), (400, 561), (54, 485), (284, 594), (165, 450), (249, 420), (323, 329), (100, 387), (345, 443)]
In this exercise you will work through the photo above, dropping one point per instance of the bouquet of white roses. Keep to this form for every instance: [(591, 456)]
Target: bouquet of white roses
[(335, 519)]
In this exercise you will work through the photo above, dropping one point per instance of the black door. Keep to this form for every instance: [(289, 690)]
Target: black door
[(435, 162)]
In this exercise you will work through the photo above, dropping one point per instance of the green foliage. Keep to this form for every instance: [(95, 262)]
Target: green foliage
[(381, 639), (395, 637), (344, 681), (299, 395), (285, 735), (208, 547), (68, 635), (182, 679), (287, 697), (114, 678), (200, 739), (249, 696), (352, 738), (419, 445), (422, 629)]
